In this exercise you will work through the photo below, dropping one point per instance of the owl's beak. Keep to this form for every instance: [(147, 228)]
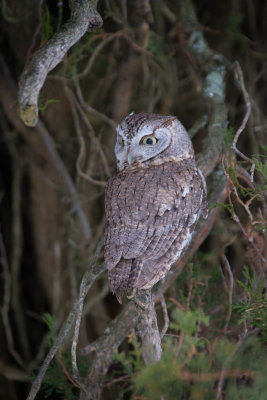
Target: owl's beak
[(129, 158)]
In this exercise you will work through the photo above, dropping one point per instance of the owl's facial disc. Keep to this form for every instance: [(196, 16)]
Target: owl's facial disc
[(148, 144), (145, 145)]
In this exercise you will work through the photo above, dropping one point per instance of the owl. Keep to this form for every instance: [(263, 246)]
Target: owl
[(152, 203)]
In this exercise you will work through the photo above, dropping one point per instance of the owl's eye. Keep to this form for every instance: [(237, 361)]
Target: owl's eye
[(151, 140), (121, 141)]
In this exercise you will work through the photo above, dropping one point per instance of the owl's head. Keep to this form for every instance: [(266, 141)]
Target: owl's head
[(145, 139)]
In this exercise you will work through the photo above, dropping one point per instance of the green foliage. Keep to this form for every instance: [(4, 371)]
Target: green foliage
[(58, 376), (192, 370), (253, 308), (50, 322), (81, 51), (56, 381), (187, 321), (155, 44), (225, 206), (261, 166), (43, 106), (133, 361), (194, 352), (234, 28), (229, 137), (77, 54), (234, 23), (47, 30)]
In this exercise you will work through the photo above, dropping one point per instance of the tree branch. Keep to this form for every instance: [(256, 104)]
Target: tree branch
[(147, 326), (84, 18)]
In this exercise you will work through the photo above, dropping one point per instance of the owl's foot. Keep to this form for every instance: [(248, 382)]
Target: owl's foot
[(133, 294), (142, 298)]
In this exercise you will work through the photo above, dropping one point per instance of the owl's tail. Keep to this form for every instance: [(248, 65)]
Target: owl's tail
[(123, 277)]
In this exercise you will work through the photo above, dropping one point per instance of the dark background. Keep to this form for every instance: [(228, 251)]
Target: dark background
[(43, 249)]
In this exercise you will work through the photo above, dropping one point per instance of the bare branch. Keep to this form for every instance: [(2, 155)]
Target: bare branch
[(84, 18), (78, 130), (166, 317), (147, 326), (84, 287), (231, 284), (213, 67), (240, 79)]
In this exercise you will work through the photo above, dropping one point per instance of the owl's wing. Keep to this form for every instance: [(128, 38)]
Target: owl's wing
[(147, 209)]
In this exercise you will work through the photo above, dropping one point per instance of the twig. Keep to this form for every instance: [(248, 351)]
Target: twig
[(240, 79), (84, 287), (95, 140), (214, 376), (104, 348), (231, 284), (147, 326), (224, 373), (92, 110), (84, 18), (61, 338), (166, 317), (82, 142), (248, 237), (12, 373), (92, 59)]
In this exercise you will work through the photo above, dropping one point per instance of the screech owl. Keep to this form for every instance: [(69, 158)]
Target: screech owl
[(152, 203)]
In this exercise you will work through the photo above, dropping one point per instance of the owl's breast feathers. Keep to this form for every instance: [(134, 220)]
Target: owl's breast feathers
[(151, 213)]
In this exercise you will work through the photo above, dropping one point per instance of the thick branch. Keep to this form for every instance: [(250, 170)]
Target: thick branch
[(84, 17), (104, 348), (212, 66), (147, 326)]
